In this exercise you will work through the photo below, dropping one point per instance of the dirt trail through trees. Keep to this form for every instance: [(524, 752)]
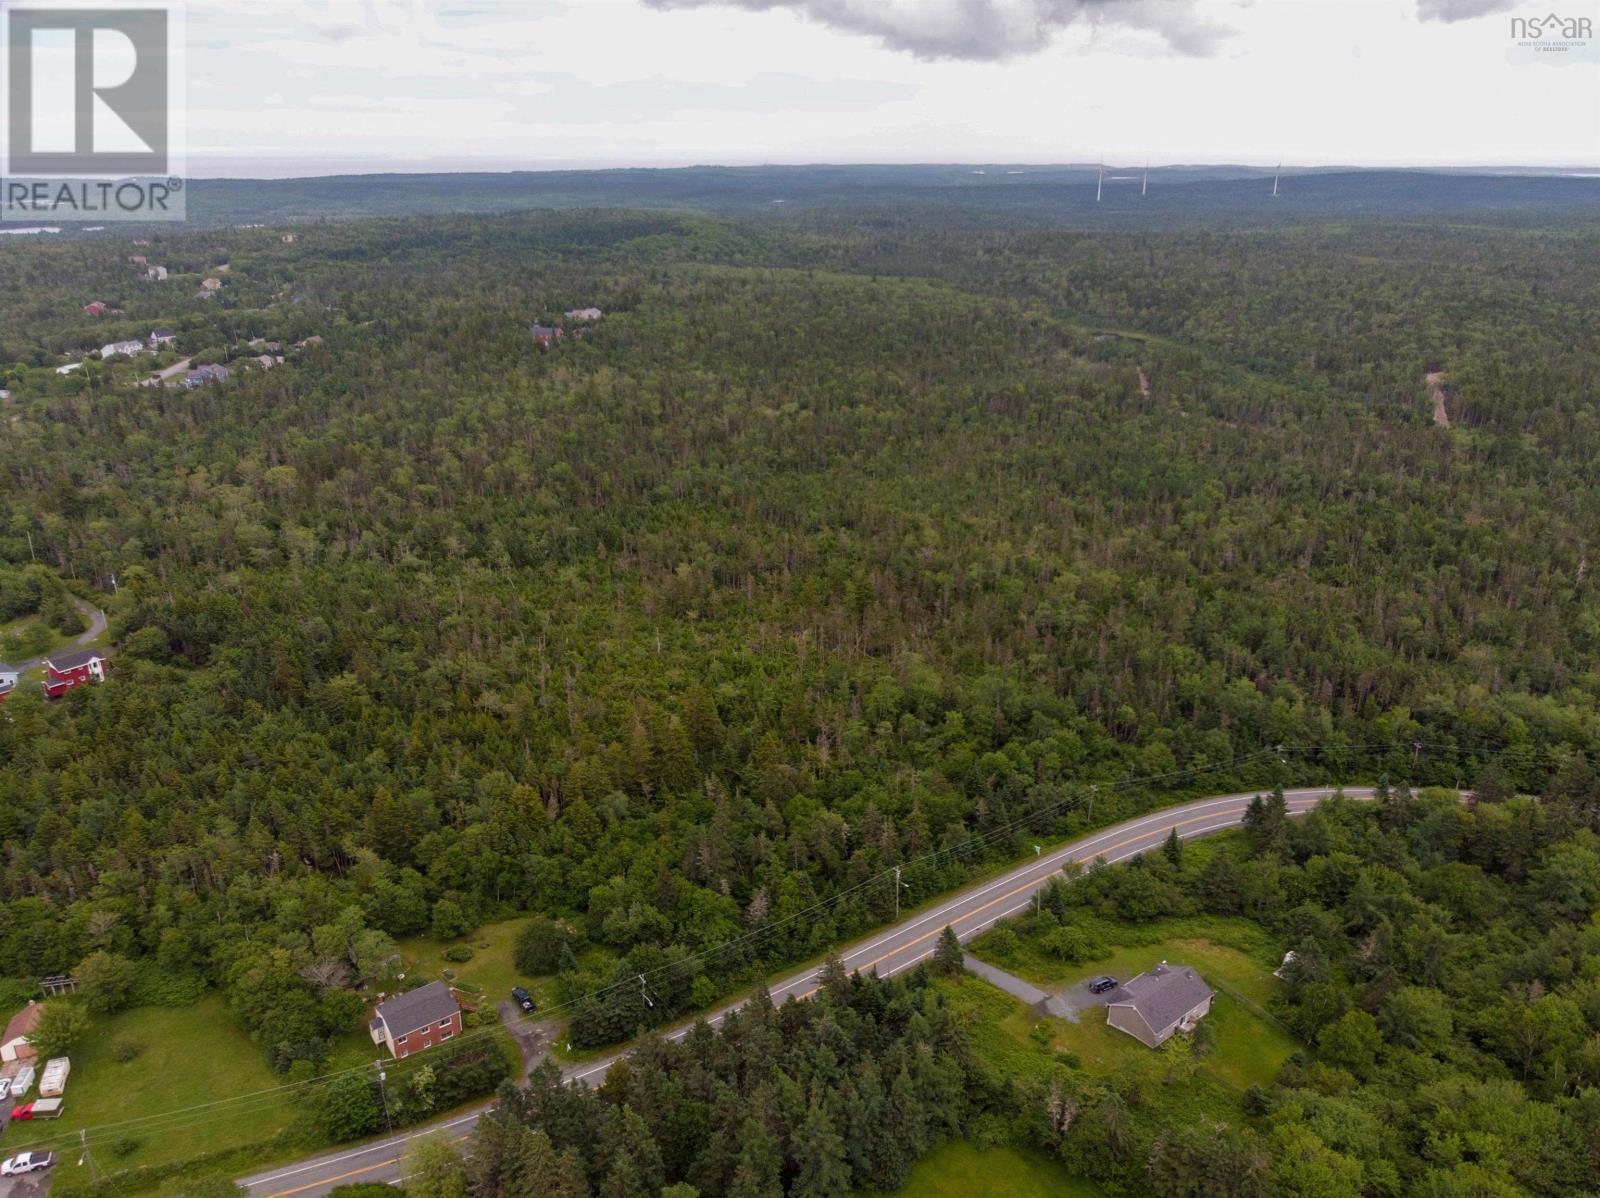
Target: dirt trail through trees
[(1436, 385)]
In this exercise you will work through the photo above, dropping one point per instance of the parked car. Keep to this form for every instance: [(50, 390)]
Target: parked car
[(1102, 983), (5, 1088), (523, 999), (27, 1162)]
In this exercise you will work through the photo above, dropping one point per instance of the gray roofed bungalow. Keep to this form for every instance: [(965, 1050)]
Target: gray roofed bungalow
[(1154, 1005), (416, 1020)]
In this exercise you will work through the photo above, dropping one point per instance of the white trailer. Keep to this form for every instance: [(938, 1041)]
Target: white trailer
[(53, 1081)]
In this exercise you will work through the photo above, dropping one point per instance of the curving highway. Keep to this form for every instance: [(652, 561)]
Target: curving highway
[(898, 947)]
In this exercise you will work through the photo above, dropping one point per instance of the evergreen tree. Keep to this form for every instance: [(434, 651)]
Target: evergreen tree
[(1173, 849), (948, 959), (824, 1170)]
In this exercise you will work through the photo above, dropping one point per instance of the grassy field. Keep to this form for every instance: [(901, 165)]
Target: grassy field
[(1249, 1047), (189, 1056), (960, 1170), (29, 636), (1249, 1050), (490, 972)]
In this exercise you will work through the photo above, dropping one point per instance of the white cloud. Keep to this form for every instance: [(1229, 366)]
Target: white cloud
[(987, 30), (663, 81)]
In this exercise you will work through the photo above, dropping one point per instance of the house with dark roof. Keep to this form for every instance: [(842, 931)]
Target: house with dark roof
[(63, 671), (1164, 1000), (415, 1020), (200, 376), (545, 334)]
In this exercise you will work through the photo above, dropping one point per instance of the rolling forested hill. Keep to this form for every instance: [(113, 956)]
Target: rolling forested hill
[(831, 544)]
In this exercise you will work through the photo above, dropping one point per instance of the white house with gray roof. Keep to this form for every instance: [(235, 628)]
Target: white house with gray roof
[(1154, 1005)]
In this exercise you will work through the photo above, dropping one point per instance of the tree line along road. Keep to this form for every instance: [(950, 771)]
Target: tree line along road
[(900, 946)]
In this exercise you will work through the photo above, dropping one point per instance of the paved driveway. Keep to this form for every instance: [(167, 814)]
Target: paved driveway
[(29, 1185), (1064, 1005)]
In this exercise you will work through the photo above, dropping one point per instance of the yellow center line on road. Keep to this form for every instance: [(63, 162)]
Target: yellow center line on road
[(895, 951), (1033, 885), (328, 1181)]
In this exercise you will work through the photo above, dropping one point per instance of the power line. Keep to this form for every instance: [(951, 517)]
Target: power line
[(260, 1100)]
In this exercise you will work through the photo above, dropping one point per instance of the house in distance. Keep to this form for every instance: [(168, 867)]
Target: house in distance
[(202, 376), (415, 1020), (1164, 1000), (14, 1043), (63, 671), (546, 335)]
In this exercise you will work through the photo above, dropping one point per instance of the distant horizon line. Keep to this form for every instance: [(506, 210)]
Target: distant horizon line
[(266, 167)]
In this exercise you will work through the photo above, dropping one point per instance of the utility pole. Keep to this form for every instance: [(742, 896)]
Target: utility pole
[(383, 1091), (897, 894), (87, 1154)]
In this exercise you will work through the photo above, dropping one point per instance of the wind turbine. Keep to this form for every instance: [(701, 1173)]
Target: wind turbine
[(1144, 187), (1099, 182), (1275, 175)]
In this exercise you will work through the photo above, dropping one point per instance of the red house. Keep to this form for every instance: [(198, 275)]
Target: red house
[(417, 1019), (95, 309), (63, 671)]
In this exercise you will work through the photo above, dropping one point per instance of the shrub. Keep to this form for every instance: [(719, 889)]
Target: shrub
[(350, 1107), (1071, 945), (538, 946), (457, 953), (159, 984), (124, 1146), (1002, 942), (125, 1049)]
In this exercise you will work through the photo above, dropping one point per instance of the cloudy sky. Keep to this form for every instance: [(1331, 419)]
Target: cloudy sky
[(289, 86)]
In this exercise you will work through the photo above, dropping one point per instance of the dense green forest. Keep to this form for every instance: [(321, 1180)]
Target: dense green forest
[(1445, 992), (1001, 196), (834, 545)]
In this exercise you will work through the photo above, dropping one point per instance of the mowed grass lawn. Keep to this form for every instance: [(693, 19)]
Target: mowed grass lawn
[(1249, 1050), (191, 1055), (961, 1170), (491, 971)]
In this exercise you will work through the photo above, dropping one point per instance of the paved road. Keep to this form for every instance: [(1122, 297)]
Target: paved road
[(970, 912), (166, 374), (97, 625)]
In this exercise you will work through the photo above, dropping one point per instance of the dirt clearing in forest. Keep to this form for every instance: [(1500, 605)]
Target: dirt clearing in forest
[(1436, 385)]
